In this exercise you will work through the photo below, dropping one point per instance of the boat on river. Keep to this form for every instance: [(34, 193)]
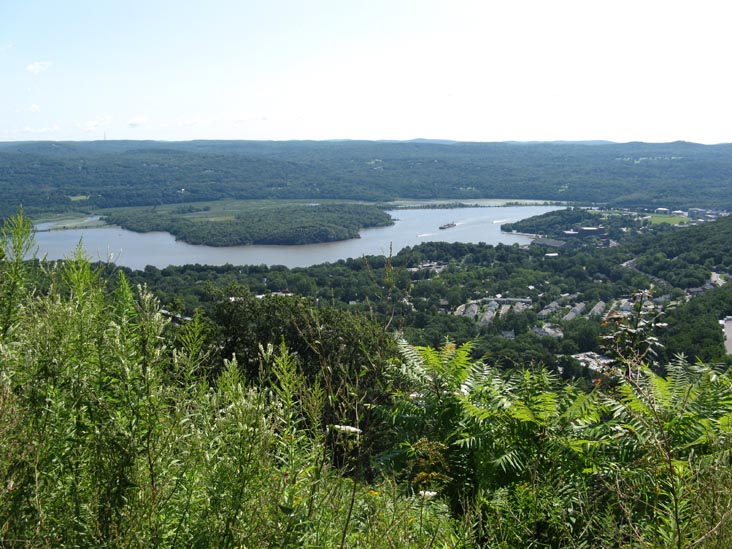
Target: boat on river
[(448, 226)]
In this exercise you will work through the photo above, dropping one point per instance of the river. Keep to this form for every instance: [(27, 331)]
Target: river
[(412, 227)]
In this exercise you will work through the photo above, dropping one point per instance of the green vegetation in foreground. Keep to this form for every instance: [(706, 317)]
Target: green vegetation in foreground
[(236, 223), (120, 429)]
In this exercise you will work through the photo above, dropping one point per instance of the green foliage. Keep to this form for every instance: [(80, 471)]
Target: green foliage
[(550, 465), (16, 244), (667, 433), (114, 435), (693, 328), (685, 258)]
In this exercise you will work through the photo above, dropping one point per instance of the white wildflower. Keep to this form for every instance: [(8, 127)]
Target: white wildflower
[(347, 429)]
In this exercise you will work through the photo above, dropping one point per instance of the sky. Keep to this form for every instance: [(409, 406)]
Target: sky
[(467, 70)]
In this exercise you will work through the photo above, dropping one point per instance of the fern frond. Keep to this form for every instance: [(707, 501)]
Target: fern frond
[(520, 411), (545, 406), (510, 461), (633, 401), (661, 390)]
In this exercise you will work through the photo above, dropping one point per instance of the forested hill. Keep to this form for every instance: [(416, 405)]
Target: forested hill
[(77, 175)]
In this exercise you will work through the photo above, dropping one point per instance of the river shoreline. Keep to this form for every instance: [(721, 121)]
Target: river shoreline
[(79, 220), (413, 227), (527, 235)]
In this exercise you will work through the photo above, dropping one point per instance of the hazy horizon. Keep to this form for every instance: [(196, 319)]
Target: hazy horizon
[(589, 142)]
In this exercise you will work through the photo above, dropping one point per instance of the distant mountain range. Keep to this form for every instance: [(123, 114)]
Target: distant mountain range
[(48, 176)]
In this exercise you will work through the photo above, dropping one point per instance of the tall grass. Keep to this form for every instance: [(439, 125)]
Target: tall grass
[(113, 435)]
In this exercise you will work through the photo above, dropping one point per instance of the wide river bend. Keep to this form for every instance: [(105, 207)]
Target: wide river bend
[(412, 227)]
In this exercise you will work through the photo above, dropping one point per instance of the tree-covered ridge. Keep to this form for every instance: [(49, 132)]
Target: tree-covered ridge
[(49, 176), (122, 429), (706, 244), (255, 223)]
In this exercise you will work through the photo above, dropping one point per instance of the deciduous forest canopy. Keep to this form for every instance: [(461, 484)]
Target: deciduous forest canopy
[(46, 176)]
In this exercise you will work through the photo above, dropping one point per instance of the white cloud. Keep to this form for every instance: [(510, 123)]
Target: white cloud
[(38, 67), (6, 47), (137, 121), (34, 108)]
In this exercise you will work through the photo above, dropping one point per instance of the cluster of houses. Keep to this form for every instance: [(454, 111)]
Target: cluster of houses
[(694, 214), (433, 266), (575, 311), (487, 309), (594, 361)]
